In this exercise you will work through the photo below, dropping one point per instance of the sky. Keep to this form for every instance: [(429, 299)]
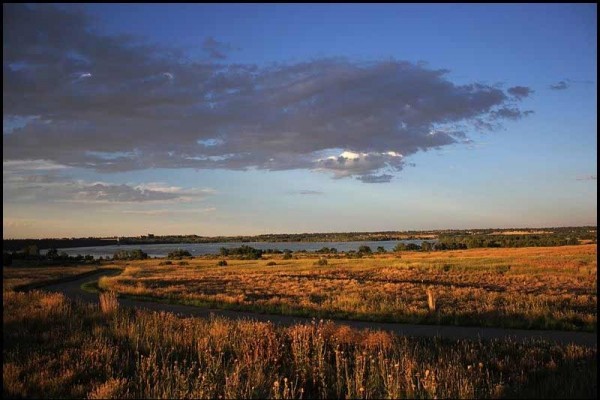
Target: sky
[(240, 119)]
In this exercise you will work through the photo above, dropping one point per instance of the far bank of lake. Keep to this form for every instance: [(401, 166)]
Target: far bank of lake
[(197, 249)]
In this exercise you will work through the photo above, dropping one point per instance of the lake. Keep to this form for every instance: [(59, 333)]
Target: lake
[(196, 249)]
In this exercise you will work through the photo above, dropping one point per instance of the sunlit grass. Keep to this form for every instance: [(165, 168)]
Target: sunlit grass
[(54, 348), (546, 288), (14, 276)]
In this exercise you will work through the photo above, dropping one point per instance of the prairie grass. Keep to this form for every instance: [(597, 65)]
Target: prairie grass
[(17, 276), (108, 302), (542, 288), (54, 348)]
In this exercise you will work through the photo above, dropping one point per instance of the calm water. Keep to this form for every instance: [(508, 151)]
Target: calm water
[(161, 250)]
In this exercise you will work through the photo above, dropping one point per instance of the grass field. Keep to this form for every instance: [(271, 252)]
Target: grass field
[(15, 276), (544, 288), (59, 349)]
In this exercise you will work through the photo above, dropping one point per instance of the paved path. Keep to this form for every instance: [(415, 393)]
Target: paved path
[(73, 290)]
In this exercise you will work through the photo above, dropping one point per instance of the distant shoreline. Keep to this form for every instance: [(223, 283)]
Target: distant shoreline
[(18, 244)]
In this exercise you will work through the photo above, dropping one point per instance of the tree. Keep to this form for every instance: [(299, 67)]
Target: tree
[(400, 247), (413, 247), (380, 249), (179, 254), (364, 249), (130, 255), (52, 254), (31, 250)]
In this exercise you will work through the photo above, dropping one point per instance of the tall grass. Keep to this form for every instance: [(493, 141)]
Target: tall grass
[(430, 299), (543, 288), (108, 302), (55, 348)]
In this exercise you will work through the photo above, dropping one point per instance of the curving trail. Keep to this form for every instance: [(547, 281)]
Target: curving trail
[(73, 290)]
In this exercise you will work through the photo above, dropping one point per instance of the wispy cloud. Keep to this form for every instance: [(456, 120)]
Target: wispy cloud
[(520, 92), (307, 192), (31, 165), (12, 223), (561, 85), (587, 178), (169, 212), (384, 178), (278, 117), (19, 186), (216, 49)]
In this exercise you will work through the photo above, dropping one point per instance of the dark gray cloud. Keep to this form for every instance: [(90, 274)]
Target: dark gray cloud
[(510, 113), (112, 103), (520, 91), (216, 49), (384, 178), (561, 85)]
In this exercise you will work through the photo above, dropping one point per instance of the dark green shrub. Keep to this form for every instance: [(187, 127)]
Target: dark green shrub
[(222, 263), (365, 249), (130, 255), (243, 252), (179, 254)]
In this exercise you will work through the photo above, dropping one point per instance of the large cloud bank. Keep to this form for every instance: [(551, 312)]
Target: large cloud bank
[(113, 103)]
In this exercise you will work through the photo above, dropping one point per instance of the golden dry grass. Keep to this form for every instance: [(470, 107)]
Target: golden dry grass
[(552, 288), (53, 348), (108, 302), (17, 276)]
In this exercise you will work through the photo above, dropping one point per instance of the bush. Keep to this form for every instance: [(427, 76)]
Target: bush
[(52, 254), (380, 249), (222, 263), (130, 255), (287, 255), (407, 247), (270, 263), (364, 249), (165, 263), (183, 263), (243, 252), (321, 262), (179, 254)]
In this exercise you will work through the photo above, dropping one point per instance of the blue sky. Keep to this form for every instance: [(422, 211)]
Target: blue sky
[(303, 98)]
